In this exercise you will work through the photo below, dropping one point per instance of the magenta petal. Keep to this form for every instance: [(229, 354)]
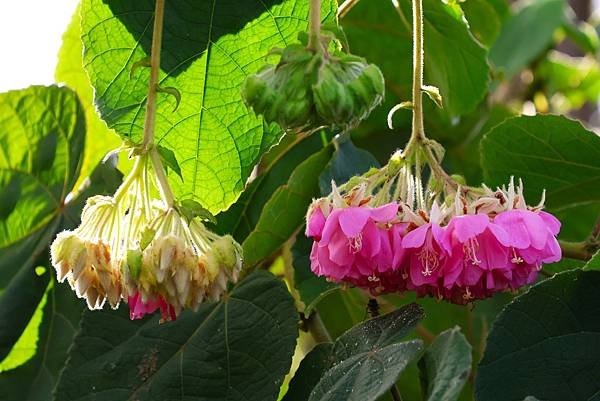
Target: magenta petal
[(339, 250), (353, 220), (551, 222), (315, 224), (469, 226), (538, 232), (416, 237), (331, 226), (500, 234), (371, 240), (385, 213), (515, 227)]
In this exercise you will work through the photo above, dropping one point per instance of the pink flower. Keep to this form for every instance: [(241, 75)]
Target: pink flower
[(354, 242), (427, 254), (532, 241), (138, 308), (479, 262)]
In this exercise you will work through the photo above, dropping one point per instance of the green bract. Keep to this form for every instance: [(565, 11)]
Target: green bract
[(308, 89)]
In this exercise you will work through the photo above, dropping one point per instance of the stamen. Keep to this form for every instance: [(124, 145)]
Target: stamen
[(470, 248), (373, 278), (467, 295), (355, 243), (428, 258), (516, 258)]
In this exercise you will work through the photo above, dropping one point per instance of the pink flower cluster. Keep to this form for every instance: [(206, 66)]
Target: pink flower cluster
[(138, 308), (472, 256)]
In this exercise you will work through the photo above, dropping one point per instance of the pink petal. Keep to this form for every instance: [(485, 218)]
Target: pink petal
[(416, 237), (468, 226), (538, 232), (385, 213), (315, 224), (353, 220), (371, 240), (552, 222), (339, 249), (515, 227)]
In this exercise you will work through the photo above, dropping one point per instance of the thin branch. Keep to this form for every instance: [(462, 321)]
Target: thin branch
[(154, 72), (578, 250)]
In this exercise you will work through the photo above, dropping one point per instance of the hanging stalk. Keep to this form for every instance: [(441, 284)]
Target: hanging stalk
[(150, 118), (314, 26)]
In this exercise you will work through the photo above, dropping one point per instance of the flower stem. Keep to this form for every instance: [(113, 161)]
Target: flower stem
[(163, 184), (154, 72), (314, 26)]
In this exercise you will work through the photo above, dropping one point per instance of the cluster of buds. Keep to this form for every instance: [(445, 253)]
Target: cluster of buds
[(145, 251), (311, 88), (386, 238)]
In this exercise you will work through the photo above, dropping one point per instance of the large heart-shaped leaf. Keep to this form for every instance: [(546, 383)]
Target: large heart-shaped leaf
[(547, 152), (208, 48), (237, 349), (454, 61), (42, 132), (546, 343), (362, 363)]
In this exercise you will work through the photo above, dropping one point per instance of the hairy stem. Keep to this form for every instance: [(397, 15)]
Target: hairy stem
[(417, 137), (154, 72), (314, 26)]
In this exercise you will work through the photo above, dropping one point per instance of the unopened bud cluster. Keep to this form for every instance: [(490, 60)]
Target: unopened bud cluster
[(478, 242), (308, 89), (145, 251)]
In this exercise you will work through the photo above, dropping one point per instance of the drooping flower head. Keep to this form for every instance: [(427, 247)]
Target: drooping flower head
[(144, 250), (386, 233)]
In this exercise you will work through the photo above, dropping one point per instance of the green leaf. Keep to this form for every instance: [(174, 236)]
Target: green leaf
[(18, 304), (547, 152), (593, 263), (241, 218), (239, 348), (485, 18), (526, 35), (446, 365), (69, 70), (35, 380), (284, 213), (583, 35), (546, 343), (211, 48), (168, 157), (347, 161), (311, 287), (454, 61), (362, 363), (41, 140), (192, 209)]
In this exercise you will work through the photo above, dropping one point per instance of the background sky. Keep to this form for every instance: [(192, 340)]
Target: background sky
[(30, 36)]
